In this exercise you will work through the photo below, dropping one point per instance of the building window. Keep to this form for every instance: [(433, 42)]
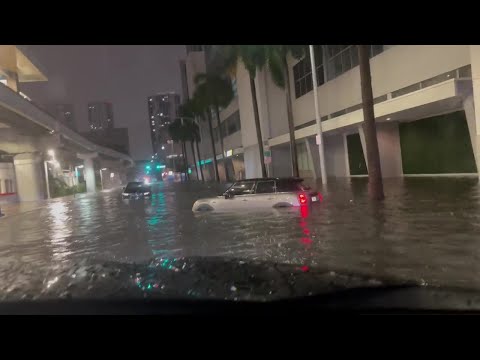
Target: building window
[(340, 59), (345, 57), (231, 124), (234, 87), (223, 128), (302, 73), (194, 48)]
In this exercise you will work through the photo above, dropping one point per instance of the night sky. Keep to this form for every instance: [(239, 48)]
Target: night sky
[(124, 75)]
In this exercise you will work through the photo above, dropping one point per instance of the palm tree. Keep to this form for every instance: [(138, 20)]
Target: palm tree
[(375, 183), (276, 58), (253, 58), (179, 134), (193, 134), (190, 109), (221, 95), (206, 96), (201, 97)]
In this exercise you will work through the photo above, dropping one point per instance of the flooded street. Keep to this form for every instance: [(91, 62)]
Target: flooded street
[(426, 230)]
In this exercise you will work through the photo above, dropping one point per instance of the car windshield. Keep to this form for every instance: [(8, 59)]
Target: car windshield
[(135, 187), (152, 171)]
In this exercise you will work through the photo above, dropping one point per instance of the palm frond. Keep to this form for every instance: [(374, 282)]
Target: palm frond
[(298, 51), (275, 62)]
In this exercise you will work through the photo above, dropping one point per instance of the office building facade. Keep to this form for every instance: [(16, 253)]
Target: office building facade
[(424, 103)]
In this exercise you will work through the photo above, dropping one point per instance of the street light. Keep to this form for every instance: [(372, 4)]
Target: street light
[(55, 163), (321, 149), (101, 176)]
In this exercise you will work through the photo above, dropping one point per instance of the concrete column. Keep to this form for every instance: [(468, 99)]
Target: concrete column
[(364, 144), (281, 164), (29, 176), (313, 156), (347, 160), (336, 156), (89, 170), (469, 107), (252, 162), (89, 175), (388, 138), (472, 112)]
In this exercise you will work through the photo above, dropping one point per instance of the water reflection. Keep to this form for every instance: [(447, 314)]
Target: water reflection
[(60, 229), (427, 228)]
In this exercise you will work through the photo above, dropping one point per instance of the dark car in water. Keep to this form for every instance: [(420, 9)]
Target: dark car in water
[(136, 190)]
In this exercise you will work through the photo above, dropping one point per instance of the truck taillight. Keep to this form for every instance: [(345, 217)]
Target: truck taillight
[(302, 199)]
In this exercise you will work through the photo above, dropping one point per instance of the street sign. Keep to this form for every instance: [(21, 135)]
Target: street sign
[(267, 155)]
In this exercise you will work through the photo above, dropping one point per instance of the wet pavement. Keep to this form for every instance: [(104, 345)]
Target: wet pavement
[(427, 230)]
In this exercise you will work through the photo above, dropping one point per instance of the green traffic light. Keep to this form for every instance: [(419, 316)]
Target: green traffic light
[(158, 166), (148, 167)]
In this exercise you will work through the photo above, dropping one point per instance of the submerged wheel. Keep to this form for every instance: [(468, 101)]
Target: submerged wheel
[(282, 205), (205, 207)]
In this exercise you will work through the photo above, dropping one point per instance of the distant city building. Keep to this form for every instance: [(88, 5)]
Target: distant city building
[(100, 115), (113, 138), (183, 75), (63, 113), (162, 111)]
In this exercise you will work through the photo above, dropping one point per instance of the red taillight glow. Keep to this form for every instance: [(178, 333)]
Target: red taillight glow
[(302, 198)]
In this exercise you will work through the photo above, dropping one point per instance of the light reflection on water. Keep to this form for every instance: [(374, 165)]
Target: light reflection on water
[(60, 229), (425, 229)]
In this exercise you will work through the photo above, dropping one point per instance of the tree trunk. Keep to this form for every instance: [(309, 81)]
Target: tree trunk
[(210, 128), (375, 183), (194, 158), (185, 160), (199, 161), (291, 125), (220, 135), (257, 126)]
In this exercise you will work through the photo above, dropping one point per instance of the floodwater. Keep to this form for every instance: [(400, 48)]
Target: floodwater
[(426, 230)]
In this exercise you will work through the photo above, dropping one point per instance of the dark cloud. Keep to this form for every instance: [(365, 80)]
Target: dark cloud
[(124, 75)]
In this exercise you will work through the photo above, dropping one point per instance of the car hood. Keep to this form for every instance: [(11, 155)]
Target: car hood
[(180, 278)]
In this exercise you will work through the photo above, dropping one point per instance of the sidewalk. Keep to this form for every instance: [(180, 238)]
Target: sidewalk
[(12, 209), (16, 208)]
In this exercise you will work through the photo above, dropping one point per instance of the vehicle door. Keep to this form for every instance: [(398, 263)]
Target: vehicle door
[(286, 193), (240, 196), (264, 194)]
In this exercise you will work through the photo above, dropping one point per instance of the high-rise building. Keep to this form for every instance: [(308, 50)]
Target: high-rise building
[(183, 77), (162, 111), (63, 113), (100, 115)]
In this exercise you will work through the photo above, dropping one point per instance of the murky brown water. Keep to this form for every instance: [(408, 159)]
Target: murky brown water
[(426, 229)]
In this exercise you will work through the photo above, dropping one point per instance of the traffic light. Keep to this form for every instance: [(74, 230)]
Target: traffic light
[(148, 167)]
